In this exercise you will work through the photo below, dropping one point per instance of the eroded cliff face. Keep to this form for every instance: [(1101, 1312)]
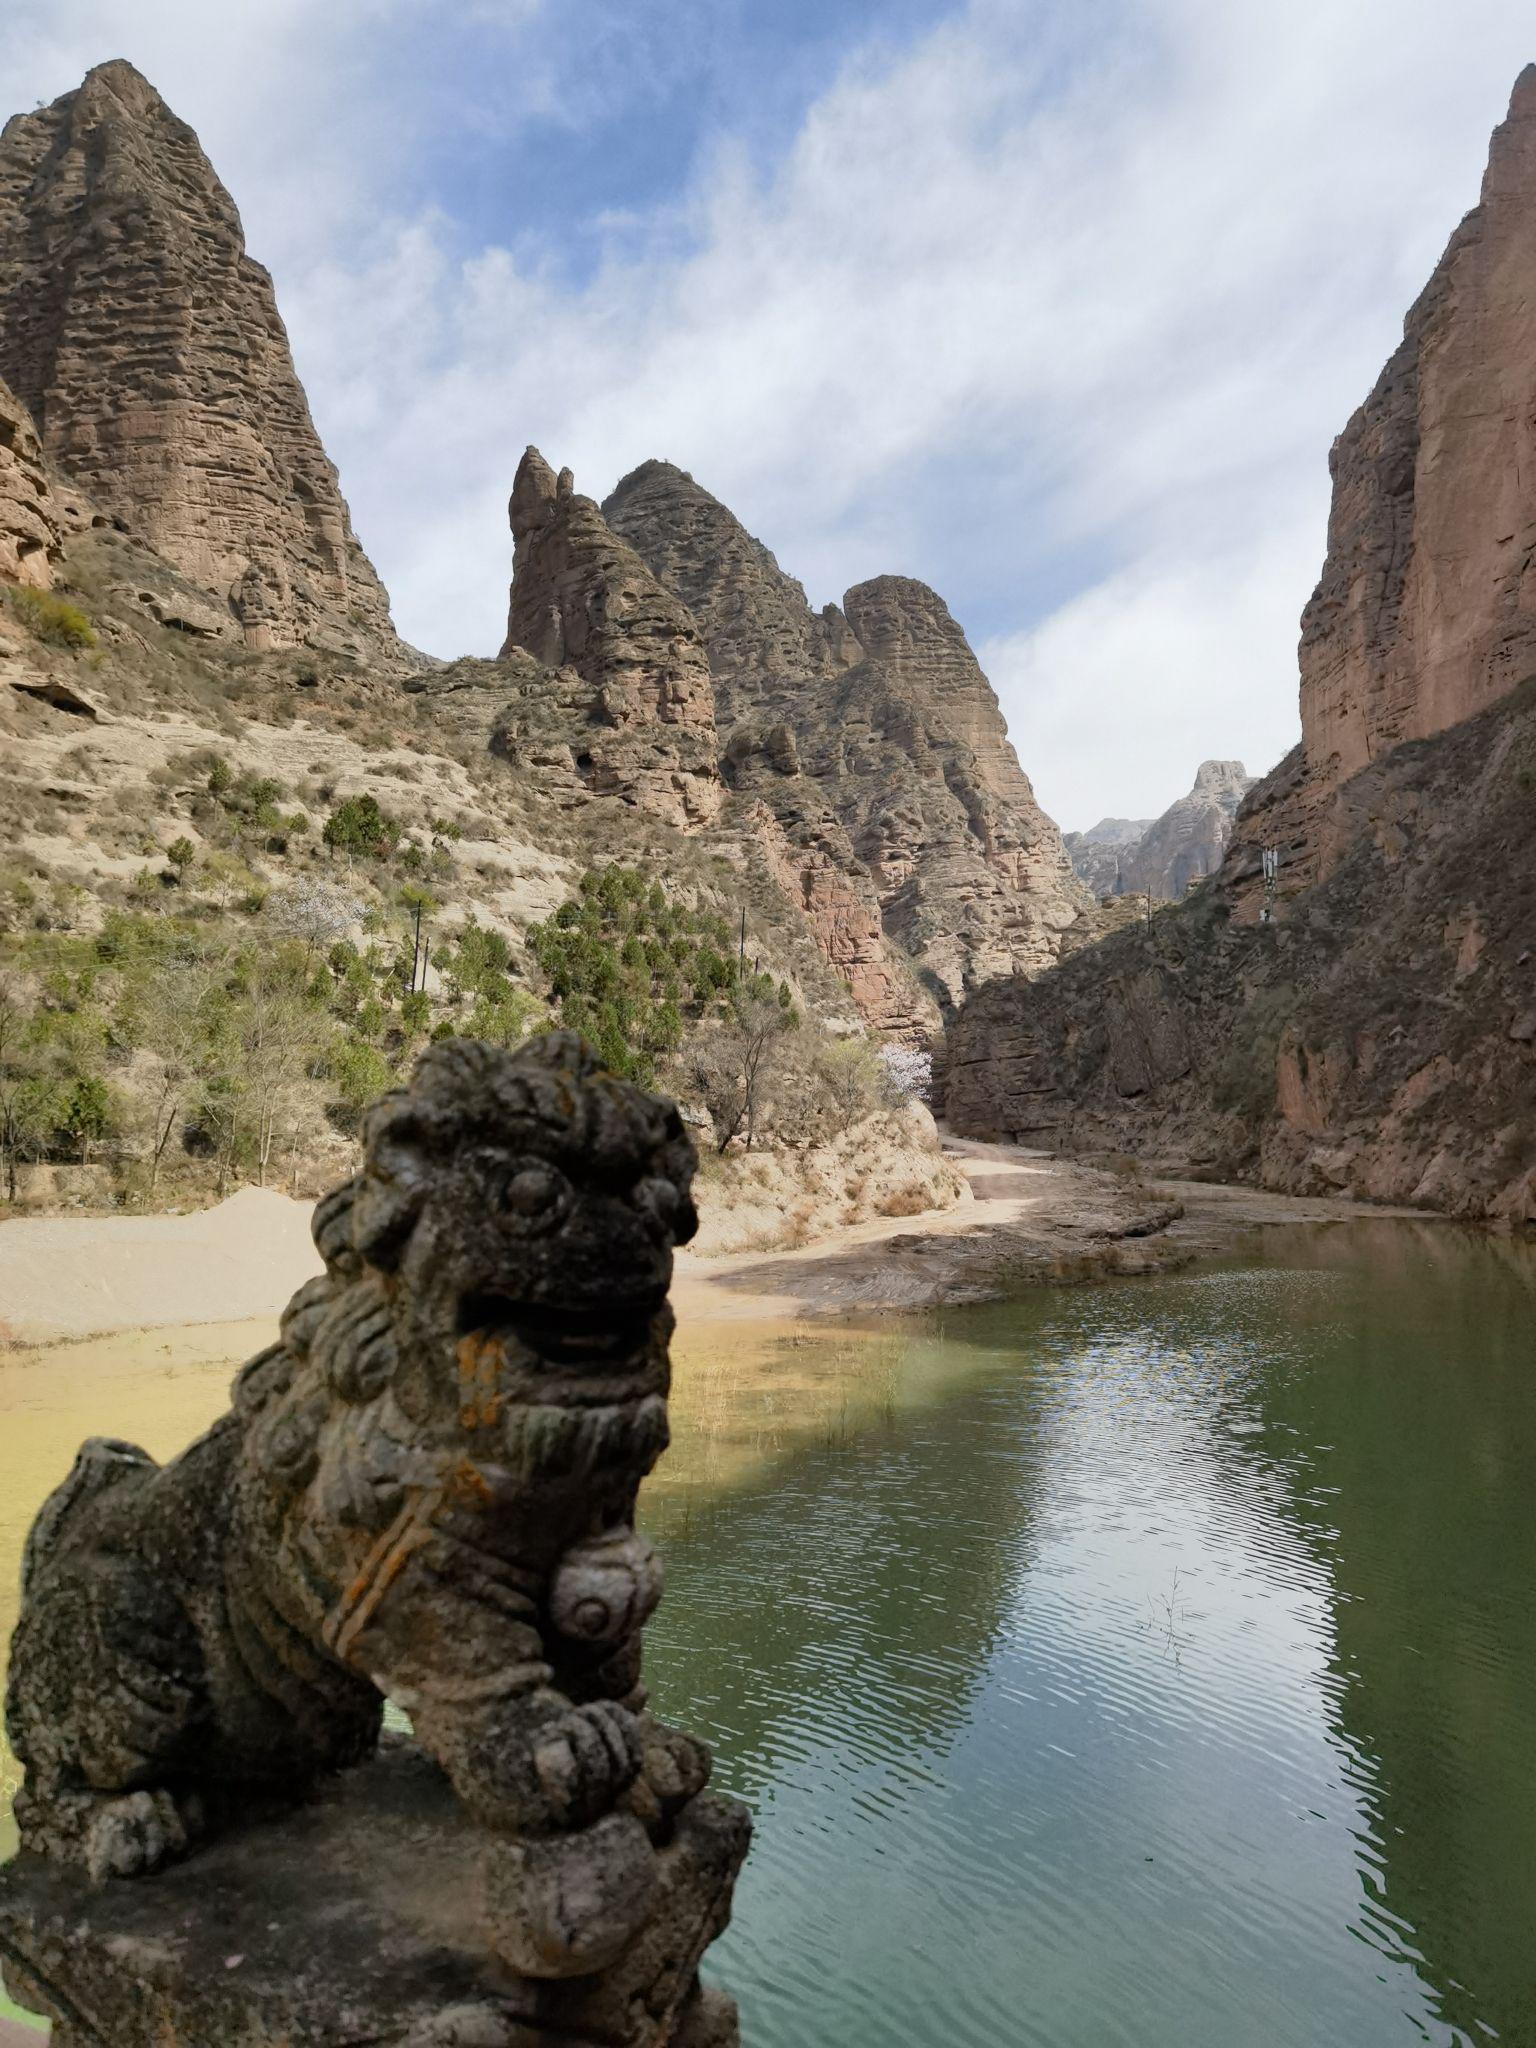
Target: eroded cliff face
[(1425, 611), (872, 736), (1096, 855), (1380, 1038), (148, 348), (1189, 840), (1368, 1021), (31, 539), (583, 600)]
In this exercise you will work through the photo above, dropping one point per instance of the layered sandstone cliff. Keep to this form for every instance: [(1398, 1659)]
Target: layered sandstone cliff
[(1425, 611), (1426, 608), (871, 734), (583, 600), (1188, 841), (1380, 1039), (30, 536), (148, 348), (1365, 1016)]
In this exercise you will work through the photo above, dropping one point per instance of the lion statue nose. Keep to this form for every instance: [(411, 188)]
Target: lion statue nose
[(605, 1588)]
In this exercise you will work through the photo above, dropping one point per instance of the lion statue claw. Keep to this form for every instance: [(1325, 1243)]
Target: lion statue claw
[(425, 1491)]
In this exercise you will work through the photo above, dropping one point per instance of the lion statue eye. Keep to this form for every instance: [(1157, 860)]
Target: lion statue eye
[(534, 1193)]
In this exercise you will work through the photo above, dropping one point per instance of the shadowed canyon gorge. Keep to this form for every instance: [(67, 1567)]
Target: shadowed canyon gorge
[(1363, 1015)]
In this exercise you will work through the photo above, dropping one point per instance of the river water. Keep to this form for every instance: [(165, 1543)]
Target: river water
[(1149, 1663)]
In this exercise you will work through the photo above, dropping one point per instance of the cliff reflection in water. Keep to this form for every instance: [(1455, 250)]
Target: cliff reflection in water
[(1167, 1680)]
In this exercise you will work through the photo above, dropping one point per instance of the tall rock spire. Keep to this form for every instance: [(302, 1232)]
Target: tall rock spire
[(582, 599), (148, 348), (904, 779)]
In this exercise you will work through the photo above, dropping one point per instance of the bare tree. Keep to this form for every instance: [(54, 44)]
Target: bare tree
[(174, 1024), (727, 1067), (315, 911), (266, 1041), (850, 1072)]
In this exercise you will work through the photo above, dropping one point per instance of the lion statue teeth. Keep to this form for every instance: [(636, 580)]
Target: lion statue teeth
[(425, 1491)]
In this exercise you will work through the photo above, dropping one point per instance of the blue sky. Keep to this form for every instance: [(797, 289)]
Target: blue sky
[(1056, 304)]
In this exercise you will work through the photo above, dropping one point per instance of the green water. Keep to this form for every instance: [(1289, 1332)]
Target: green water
[(1150, 1664), (1170, 1679)]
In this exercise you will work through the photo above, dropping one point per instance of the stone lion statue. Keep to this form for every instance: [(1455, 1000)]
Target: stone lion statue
[(425, 1491)]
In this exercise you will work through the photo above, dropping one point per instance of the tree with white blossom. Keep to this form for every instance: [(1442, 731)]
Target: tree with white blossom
[(908, 1072)]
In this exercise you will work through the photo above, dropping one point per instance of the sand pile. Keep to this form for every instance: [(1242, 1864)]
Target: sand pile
[(68, 1276)]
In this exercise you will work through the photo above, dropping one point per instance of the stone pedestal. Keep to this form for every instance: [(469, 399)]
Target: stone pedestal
[(358, 1919)]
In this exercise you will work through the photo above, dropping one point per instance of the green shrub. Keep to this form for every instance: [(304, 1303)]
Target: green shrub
[(357, 825), (181, 853), (361, 1072), (635, 972), (51, 619)]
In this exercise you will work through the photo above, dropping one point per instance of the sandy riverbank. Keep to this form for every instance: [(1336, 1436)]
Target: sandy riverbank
[(1027, 1218)]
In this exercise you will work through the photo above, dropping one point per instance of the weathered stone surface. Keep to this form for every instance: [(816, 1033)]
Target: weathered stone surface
[(756, 622), (425, 1490), (582, 599), (30, 539), (1188, 841), (878, 727), (1096, 854), (362, 1916), (147, 345)]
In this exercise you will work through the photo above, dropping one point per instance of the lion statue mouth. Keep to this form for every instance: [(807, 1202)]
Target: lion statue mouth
[(565, 1339)]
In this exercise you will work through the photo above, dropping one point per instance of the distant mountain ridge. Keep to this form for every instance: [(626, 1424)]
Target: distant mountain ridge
[(1162, 857)]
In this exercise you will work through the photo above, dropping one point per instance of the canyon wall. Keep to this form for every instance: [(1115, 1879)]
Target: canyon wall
[(1366, 1017)]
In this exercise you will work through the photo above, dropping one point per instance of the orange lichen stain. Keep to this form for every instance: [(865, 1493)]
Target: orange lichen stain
[(380, 1550), (480, 1361), (466, 1482)]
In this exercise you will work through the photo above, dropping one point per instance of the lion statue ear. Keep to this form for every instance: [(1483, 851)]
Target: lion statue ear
[(392, 1186)]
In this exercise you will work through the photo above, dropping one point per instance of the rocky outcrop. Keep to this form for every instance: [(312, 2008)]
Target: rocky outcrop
[(869, 728), (756, 621), (583, 600), (148, 347), (30, 539), (1096, 854), (1364, 1017), (1162, 857), (1188, 841)]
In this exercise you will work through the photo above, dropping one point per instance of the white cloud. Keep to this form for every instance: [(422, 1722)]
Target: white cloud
[(1063, 282)]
